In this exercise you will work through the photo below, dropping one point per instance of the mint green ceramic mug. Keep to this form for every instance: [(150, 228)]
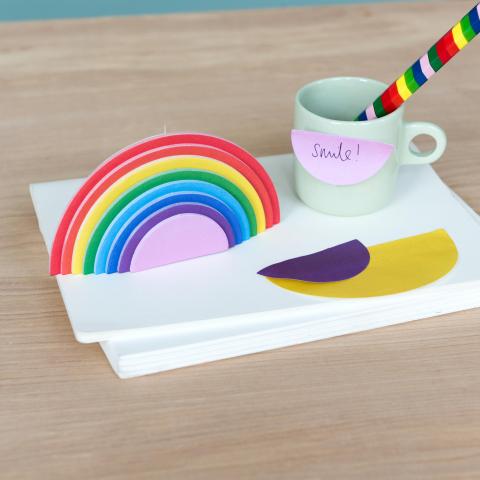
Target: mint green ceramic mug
[(328, 106)]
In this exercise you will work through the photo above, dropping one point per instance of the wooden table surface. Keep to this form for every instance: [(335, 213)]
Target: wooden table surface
[(399, 402)]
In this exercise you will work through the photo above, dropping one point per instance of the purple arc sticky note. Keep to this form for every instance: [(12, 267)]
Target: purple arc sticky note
[(171, 249), (339, 160), (330, 265)]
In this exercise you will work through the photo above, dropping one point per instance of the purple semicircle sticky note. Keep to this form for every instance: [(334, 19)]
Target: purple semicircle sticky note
[(330, 265)]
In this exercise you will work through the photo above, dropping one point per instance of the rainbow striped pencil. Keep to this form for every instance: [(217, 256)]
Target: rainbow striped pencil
[(418, 74)]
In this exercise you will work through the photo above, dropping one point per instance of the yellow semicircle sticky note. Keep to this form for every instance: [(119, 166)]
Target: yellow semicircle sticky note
[(394, 267)]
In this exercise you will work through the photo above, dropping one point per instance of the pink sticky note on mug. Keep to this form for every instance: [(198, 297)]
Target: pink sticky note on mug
[(339, 160)]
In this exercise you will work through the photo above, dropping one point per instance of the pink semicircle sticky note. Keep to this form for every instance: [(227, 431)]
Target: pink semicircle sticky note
[(339, 160), (181, 237), (330, 265)]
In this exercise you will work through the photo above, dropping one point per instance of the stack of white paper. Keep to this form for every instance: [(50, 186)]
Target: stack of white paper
[(217, 307)]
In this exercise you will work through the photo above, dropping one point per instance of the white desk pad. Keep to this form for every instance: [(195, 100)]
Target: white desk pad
[(210, 291)]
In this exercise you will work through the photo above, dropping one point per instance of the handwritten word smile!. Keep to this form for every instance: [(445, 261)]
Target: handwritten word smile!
[(340, 154)]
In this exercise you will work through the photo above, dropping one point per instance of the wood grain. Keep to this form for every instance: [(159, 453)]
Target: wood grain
[(399, 402)]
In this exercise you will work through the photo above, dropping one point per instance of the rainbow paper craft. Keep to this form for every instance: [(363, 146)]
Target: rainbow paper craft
[(162, 200), (339, 160), (394, 267), (437, 56)]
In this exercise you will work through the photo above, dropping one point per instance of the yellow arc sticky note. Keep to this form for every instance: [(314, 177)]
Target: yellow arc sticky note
[(394, 267)]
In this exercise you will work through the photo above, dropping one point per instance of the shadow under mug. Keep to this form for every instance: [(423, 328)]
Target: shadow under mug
[(328, 106)]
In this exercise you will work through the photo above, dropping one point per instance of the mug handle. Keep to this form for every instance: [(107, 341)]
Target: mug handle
[(410, 131)]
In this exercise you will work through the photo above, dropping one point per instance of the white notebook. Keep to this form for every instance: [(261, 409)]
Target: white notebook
[(217, 307)]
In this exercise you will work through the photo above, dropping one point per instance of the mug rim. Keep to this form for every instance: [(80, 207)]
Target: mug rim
[(396, 113)]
